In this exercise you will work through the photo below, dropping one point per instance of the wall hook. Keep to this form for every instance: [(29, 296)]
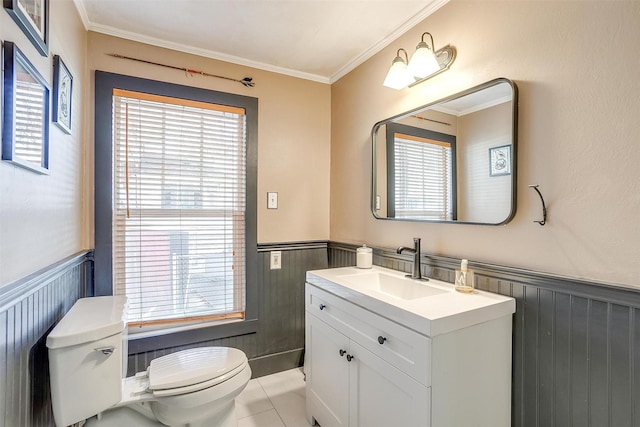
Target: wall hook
[(544, 207)]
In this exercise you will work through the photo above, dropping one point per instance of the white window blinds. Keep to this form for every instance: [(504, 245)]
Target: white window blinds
[(179, 208), (422, 178)]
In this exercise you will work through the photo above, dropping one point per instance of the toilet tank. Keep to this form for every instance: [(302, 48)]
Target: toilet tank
[(87, 358)]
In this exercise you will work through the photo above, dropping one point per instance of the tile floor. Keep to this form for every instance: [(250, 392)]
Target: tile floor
[(276, 400)]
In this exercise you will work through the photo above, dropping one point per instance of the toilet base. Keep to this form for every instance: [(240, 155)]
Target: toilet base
[(122, 416), (126, 416)]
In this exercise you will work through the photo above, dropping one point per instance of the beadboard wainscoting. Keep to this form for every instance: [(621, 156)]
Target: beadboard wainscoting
[(278, 343), (29, 308), (576, 344)]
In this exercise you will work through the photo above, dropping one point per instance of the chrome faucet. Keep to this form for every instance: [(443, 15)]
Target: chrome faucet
[(416, 273)]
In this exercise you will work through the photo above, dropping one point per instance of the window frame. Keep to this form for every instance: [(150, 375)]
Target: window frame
[(105, 83), (394, 128)]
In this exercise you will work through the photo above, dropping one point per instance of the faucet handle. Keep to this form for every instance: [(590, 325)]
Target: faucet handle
[(416, 244)]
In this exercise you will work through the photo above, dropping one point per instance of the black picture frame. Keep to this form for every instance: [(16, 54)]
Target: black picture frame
[(25, 137), (62, 94), (32, 16), (500, 160)]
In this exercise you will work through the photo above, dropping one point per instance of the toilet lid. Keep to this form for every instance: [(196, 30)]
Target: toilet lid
[(193, 366)]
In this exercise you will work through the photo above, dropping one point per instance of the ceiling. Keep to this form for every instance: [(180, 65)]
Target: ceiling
[(320, 40), (477, 100)]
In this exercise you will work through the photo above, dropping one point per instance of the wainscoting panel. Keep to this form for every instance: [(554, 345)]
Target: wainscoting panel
[(576, 344), (29, 308), (278, 343)]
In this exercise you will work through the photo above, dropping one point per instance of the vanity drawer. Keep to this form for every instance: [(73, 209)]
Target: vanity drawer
[(403, 348)]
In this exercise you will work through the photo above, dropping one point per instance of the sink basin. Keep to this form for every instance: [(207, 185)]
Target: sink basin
[(394, 286)]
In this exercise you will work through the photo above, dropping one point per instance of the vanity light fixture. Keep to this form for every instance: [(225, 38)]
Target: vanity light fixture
[(425, 63), (398, 76)]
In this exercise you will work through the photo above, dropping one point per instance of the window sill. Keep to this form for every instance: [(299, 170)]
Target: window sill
[(173, 337)]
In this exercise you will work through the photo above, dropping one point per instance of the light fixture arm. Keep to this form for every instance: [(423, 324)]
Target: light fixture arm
[(422, 42), (398, 58)]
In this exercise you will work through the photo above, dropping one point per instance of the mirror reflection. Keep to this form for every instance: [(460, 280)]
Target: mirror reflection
[(452, 160), (25, 132)]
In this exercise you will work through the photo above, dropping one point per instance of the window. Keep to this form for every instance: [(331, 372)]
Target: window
[(421, 174), (175, 206), (422, 178), (179, 206)]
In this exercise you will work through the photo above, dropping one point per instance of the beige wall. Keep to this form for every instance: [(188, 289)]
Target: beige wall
[(576, 65), (41, 216), (293, 132), (578, 139), (482, 197)]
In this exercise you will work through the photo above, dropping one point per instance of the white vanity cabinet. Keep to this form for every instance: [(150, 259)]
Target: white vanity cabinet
[(349, 385), (373, 361)]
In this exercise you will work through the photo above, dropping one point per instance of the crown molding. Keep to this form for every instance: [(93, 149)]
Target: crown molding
[(408, 25), (111, 31), (433, 6)]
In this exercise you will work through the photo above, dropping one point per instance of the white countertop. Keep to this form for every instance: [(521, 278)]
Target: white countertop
[(432, 315)]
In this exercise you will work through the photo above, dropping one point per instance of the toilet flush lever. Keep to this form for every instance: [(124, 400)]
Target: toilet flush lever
[(107, 351)]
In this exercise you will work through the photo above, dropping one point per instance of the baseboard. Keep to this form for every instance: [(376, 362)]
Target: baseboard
[(277, 362)]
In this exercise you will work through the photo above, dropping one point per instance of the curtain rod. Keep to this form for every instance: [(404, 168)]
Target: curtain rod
[(431, 120), (247, 81)]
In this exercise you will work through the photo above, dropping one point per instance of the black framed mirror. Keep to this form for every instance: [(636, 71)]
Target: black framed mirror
[(453, 160)]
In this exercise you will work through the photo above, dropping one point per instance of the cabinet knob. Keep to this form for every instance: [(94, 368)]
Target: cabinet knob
[(322, 306), (342, 352), (381, 339), (350, 357)]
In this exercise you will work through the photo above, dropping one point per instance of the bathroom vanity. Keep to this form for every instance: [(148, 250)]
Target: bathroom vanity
[(385, 350)]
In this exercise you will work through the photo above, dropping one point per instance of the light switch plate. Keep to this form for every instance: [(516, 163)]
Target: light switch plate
[(276, 260), (272, 200)]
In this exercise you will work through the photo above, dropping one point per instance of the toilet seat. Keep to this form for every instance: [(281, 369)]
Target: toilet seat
[(193, 370)]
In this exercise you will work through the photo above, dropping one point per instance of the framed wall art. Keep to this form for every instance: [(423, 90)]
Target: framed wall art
[(500, 160), (32, 16), (25, 112), (62, 94)]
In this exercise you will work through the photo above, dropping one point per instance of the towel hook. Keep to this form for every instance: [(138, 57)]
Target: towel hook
[(544, 207)]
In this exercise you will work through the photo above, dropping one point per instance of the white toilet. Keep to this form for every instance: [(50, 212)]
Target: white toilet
[(88, 365)]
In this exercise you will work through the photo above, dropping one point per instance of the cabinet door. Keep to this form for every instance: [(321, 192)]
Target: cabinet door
[(383, 396), (327, 374)]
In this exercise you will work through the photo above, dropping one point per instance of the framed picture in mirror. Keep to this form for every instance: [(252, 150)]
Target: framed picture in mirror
[(25, 112), (62, 92), (500, 160)]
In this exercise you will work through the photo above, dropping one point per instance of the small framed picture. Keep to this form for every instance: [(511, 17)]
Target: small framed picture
[(62, 94), (25, 127), (500, 160), (32, 16)]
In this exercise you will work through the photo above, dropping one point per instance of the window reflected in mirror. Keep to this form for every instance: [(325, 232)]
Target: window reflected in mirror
[(421, 182)]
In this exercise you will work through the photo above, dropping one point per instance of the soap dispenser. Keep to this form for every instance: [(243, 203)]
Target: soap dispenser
[(465, 280), (364, 257)]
